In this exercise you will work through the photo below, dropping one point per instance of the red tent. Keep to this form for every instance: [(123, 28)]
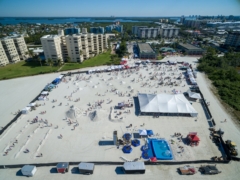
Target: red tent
[(123, 62), (127, 67), (192, 136)]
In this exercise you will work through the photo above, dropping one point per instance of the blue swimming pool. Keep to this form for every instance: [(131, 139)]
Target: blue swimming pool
[(161, 149)]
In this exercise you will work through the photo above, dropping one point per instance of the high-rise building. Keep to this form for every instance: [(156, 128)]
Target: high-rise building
[(84, 30), (10, 49), (118, 28), (168, 32), (233, 39), (135, 29), (52, 47), (73, 30), (147, 32), (3, 57), (77, 47), (97, 30), (20, 46)]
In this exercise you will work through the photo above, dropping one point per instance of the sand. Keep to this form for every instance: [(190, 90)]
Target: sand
[(89, 132)]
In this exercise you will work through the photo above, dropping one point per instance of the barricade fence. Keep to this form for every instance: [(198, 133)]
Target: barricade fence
[(117, 163)]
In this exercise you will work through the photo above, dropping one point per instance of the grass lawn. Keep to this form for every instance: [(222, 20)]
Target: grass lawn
[(101, 59), (23, 68)]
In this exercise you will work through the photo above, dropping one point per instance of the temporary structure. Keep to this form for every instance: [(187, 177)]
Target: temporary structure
[(134, 167), (62, 167), (28, 170), (165, 103), (86, 168), (193, 138), (194, 95), (142, 132), (31, 105), (44, 93), (26, 110)]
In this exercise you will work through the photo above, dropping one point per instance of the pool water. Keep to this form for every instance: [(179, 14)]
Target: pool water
[(160, 149)]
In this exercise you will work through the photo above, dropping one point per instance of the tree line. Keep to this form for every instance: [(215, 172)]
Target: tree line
[(224, 72)]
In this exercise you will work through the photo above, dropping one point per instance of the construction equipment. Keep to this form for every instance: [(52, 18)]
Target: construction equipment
[(232, 147), (209, 170)]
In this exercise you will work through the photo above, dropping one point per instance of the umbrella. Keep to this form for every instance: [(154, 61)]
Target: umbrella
[(142, 132), (149, 132), (127, 136), (135, 142), (127, 149)]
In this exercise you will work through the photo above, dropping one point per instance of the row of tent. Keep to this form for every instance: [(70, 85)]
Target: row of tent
[(111, 68), (86, 168), (191, 76)]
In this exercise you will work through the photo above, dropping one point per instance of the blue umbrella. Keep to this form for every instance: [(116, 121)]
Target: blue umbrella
[(127, 149), (149, 132), (127, 136), (145, 155), (135, 142)]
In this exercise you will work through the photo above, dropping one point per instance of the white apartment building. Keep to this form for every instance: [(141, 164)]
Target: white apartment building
[(52, 47), (10, 49), (147, 32), (169, 32), (3, 57), (78, 47), (21, 47)]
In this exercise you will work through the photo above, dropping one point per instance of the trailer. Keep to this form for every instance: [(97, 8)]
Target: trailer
[(62, 167), (86, 168), (134, 167), (28, 170)]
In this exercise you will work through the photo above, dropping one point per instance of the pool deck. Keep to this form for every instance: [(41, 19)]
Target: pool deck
[(96, 135)]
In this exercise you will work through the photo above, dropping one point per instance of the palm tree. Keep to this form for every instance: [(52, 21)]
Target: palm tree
[(40, 60), (50, 62), (59, 62)]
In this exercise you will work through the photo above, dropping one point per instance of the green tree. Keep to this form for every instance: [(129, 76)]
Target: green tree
[(59, 62), (68, 59), (39, 60), (50, 62)]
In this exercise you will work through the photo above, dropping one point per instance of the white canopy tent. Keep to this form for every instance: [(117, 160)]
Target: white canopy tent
[(44, 93), (26, 110), (31, 105), (142, 132), (165, 103), (194, 95)]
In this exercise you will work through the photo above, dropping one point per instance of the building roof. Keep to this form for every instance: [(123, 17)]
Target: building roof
[(145, 48), (189, 46)]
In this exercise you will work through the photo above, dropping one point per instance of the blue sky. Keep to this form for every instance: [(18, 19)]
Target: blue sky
[(107, 8)]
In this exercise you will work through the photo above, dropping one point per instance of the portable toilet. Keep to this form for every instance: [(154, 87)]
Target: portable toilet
[(62, 167), (86, 168), (28, 170)]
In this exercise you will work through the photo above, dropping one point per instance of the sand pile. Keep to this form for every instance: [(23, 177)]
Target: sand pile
[(71, 113)]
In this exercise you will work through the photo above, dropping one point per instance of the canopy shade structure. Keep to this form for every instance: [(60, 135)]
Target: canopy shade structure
[(135, 142), (149, 132), (142, 132), (165, 103), (194, 95), (44, 93), (192, 136), (127, 149)]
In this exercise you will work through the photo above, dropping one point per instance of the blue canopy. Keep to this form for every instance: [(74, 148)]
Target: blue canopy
[(135, 142), (127, 149), (145, 155), (56, 81), (149, 132)]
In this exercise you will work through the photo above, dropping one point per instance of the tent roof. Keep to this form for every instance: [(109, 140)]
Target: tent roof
[(194, 95), (142, 132), (165, 103)]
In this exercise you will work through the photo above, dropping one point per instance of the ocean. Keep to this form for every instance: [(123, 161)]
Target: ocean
[(63, 20)]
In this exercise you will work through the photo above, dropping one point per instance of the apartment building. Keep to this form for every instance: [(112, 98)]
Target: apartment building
[(168, 32), (10, 49), (135, 29), (73, 30), (97, 30), (21, 47), (77, 47), (147, 32), (233, 39), (117, 27), (52, 47), (3, 57)]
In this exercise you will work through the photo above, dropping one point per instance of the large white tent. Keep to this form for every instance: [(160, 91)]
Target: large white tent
[(165, 103)]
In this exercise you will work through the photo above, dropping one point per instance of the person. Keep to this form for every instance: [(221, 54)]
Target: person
[(225, 120), (41, 155)]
